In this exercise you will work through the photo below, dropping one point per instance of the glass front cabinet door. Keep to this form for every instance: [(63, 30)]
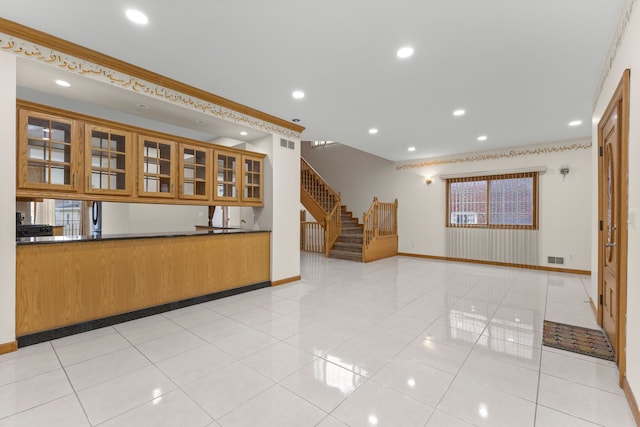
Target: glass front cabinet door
[(108, 161), (226, 175), (47, 152), (194, 172), (157, 162), (252, 179)]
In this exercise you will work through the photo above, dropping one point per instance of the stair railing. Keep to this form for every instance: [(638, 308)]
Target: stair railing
[(317, 188), (312, 237), (325, 203), (381, 220), (332, 227)]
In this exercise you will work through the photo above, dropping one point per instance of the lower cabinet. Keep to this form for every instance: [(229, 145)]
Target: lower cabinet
[(61, 284)]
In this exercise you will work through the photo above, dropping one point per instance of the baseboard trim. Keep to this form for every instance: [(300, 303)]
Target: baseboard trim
[(8, 347), (499, 264), (593, 307), (287, 280), (633, 403), (77, 328)]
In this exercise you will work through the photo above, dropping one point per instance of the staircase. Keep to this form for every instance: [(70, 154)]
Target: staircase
[(349, 243), (342, 235)]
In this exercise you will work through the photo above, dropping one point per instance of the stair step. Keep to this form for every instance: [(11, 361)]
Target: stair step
[(351, 230), (347, 226), (348, 247), (350, 256), (350, 238)]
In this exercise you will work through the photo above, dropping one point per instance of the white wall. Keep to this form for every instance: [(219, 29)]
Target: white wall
[(150, 218), (281, 213), (626, 56), (7, 198), (563, 209)]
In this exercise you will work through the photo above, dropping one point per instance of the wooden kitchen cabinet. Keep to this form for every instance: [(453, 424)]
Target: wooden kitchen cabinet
[(109, 164), (225, 171), (252, 177), (68, 155), (48, 152), (156, 167), (195, 172)]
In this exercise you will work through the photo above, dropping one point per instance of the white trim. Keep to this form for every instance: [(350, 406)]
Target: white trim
[(539, 169)]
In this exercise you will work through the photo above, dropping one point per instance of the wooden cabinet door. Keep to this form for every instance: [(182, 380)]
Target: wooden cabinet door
[(226, 168), (108, 161), (48, 152), (156, 167), (252, 177), (194, 172)]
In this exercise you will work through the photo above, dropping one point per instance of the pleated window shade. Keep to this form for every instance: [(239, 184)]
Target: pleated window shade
[(497, 201)]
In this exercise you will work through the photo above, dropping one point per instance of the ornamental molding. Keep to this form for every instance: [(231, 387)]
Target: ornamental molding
[(616, 42), (497, 155), (54, 58)]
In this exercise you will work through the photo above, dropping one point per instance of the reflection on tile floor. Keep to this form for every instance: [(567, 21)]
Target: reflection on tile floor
[(397, 342)]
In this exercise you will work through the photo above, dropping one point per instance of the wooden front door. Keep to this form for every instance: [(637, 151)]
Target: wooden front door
[(611, 221), (613, 146)]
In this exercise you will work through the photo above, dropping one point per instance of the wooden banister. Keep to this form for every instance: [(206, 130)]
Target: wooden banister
[(317, 187), (322, 202), (380, 223)]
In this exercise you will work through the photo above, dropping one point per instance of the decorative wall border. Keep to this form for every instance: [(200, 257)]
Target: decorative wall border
[(497, 155), (74, 64), (618, 37)]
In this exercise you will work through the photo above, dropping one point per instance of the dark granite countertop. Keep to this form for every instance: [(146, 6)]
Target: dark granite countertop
[(129, 236)]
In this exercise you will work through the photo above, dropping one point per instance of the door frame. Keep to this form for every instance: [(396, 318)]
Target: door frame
[(619, 99)]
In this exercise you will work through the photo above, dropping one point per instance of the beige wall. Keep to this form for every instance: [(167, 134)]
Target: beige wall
[(625, 52), (564, 207)]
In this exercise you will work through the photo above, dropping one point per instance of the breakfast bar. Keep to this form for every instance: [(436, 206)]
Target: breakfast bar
[(68, 284)]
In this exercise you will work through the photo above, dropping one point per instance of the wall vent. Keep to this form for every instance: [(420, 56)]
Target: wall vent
[(287, 144), (555, 260)]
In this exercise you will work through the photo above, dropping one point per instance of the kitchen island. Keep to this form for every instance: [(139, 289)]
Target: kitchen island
[(67, 285)]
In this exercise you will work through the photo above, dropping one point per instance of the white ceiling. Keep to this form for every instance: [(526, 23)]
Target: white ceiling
[(521, 69)]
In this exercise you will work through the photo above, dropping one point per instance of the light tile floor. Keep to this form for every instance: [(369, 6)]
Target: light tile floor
[(398, 342)]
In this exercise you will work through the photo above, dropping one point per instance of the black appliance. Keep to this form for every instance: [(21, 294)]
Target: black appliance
[(33, 230)]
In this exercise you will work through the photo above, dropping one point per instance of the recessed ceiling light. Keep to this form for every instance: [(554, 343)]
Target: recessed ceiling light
[(295, 120), (63, 83), (298, 94), (411, 149), (243, 133), (459, 112), (405, 52), (200, 121), (137, 17), (482, 138), (143, 106), (575, 123), (373, 131)]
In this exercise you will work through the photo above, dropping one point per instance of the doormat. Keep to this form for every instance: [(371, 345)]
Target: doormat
[(590, 342)]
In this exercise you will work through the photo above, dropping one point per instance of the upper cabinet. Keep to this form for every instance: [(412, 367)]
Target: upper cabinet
[(48, 152), (67, 155), (109, 165), (225, 172), (252, 175), (157, 167), (194, 169)]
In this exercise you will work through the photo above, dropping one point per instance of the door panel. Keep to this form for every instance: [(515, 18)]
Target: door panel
[(611, 220)]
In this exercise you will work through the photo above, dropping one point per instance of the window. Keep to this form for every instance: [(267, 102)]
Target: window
[(500, 201)]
